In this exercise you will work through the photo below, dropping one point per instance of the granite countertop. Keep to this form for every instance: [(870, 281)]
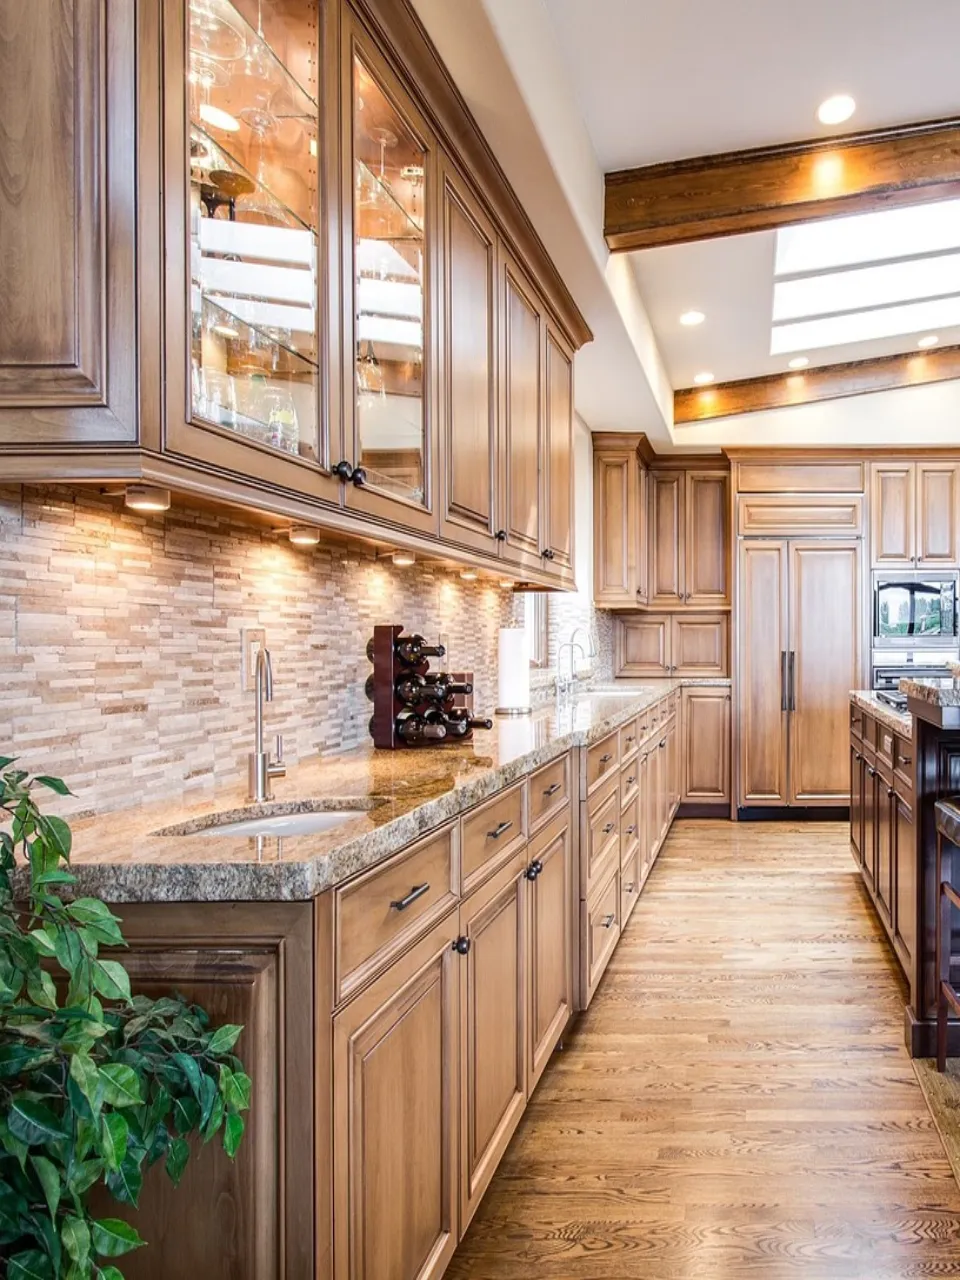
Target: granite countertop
[(938, 693), (899, 721), (399, 796)]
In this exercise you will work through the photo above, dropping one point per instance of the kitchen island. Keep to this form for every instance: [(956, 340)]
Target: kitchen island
[(901, 764), (402, 976)]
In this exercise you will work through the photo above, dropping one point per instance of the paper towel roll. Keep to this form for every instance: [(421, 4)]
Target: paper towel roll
[(514, 671)]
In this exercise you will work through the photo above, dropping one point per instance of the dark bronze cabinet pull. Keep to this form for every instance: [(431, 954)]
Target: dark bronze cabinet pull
[(906, 759), (631, 781), (890, 792), (605, 759), (872, 772), (630, 888), (416, 892), (608, 920), (663, 744), (608, 828), (631, 829), (534, 869), (499, 829), (552, 791)]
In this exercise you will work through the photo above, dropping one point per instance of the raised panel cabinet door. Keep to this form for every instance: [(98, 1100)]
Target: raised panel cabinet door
[(905, 862), (468, 416), (643, 646), (521, 427), (68, 222), (557, 475), (667, 533), (870, 822), (762, 657), (551, 943), (396, 1085), (493, 1017), (705, 718), (250, 964), (937, 501), (616, 478), (893, 519), (643, 535), (699, 644), (856, 803), (886, 837), (823, 666), (707, 541)]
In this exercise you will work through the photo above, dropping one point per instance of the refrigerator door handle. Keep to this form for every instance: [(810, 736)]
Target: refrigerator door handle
[(784, 701), (793, 681)]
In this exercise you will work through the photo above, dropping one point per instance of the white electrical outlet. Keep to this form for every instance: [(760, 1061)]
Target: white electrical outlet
[(251, 639)]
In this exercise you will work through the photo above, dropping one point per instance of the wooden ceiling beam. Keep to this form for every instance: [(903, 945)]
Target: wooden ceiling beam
[(832, 382), (767, 187)]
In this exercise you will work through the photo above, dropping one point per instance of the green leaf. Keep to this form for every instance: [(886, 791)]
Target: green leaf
[(215, 1119), (110, 978), (232, 1133), (75, 1235), (41, 989), (125, 1183), (84, 1175), (112, 1237), (90, 911), (114, 1132), (43, 940), (16, 1059), (68, 950), (121, 1088), (48, 1176), (235, 1087), (53, 784), (109, 1273), (57, 834), (208, 1095), (186, 1114), (177, 1157), (191, 1070), (34, 1123), (7, 761), (223, 1039), (32, 1265), (84, 1073)]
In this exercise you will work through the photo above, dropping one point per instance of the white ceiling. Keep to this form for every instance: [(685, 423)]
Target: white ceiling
[(731, 281), (662, 79)]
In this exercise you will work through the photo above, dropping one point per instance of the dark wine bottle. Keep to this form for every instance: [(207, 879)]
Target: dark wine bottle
[(460, 721), (446, 686), (413, 649), (414, 729), (370, 687)]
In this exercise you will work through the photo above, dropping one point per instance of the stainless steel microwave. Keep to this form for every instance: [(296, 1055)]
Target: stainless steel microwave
[(914, 609)]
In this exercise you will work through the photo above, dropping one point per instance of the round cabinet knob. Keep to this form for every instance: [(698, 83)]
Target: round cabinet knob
[(534, 869), (501, 535), (548, 554), (461, 946)]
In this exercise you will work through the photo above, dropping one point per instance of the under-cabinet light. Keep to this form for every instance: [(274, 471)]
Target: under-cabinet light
[(304, 535), (146, 497)]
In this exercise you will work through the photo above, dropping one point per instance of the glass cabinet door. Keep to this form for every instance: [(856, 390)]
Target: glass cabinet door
[(254, 244), (392, 190)]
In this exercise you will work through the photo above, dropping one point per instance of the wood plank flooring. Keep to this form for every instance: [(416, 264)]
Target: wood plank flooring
[(737, 1101)]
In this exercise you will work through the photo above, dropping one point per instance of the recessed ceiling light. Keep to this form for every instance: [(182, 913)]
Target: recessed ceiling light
[(930, 340), (799, 362), (702, 379), (146, 497), (304, 535), (218, 118), (691, 318), (836, 109)]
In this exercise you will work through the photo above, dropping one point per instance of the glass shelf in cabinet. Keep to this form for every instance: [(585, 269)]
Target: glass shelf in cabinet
[(216, 159), (223, 38), (384, 203)]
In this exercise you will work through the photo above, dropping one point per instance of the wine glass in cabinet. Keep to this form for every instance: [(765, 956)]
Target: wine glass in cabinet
[(389, 183), (248, 333)]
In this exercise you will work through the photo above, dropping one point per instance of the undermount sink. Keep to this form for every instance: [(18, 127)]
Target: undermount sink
[(284, 824)]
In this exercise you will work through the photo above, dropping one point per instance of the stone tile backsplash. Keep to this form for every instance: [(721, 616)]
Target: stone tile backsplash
[(120, 641)]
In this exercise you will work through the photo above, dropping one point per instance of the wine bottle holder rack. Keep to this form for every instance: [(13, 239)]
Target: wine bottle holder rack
[(395, 670)]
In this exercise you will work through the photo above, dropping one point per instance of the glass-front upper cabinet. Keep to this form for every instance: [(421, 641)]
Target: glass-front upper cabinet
[(392, 185), (254, 224)]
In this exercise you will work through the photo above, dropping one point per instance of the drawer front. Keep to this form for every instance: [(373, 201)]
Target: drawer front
[(903, 763), (603, 758), (549, 791), (490, 834), (629, 782), (602, 838), (886, 744), (629, 740), (602, 923), (629, 830), (388, 908), (802, 517), (629, 887), (856, 721)]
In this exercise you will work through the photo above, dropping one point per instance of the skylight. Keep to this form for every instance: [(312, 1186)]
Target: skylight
[(865, 278)]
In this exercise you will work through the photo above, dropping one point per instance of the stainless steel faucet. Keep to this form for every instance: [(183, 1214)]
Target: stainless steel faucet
[(569, 685), (262, 768)]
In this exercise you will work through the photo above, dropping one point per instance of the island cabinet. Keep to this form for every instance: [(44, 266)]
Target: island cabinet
[(882, 829), (292, 290)]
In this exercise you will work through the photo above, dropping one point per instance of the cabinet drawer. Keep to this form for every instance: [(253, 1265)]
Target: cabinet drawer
[(601, 919), (886, 744), (549, 791), (490, 833), (629, 740), (379, 914), (629, 782), (903, 765), (601, 847), (629, 830), (602, 759), (629, 886), (856, 721)]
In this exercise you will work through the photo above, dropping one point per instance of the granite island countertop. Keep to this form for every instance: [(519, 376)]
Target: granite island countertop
[(937, 693), (162, 852), (900, 722)]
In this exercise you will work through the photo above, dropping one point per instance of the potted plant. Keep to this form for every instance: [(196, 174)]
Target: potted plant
[(96, 1085)]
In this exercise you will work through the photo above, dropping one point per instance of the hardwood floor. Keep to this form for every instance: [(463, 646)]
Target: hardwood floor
[(737, 1101)]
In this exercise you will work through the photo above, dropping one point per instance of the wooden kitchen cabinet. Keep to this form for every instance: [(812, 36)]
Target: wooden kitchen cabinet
[(395, 1117), (313, 321), (617, 551), (667, 539), (915, 514), (905, 890), (550, 886), (707, 539), (705, 721), (493, 1027), (674, 644)]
